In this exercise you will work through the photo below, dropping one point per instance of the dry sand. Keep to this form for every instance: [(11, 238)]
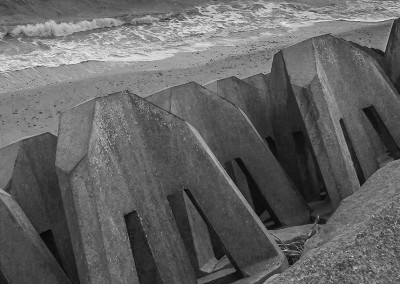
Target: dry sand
[(31, 99)]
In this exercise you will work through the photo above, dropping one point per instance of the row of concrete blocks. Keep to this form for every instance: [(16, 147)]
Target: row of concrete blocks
[(152, 191)]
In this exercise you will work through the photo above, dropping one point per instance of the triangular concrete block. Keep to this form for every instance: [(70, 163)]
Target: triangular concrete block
[(34, 185), (119, 158), (232, 138), (259, 107), (260, 81), (24, 258), (248, 98), (392, 55), (350, 110)]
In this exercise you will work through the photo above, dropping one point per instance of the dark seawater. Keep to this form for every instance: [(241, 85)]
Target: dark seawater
[(161, 35)]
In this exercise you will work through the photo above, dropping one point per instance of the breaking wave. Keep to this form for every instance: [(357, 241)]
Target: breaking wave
[(51, 28), (159, 36)]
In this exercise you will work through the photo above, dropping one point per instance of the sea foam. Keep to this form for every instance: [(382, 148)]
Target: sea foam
[(51, 28), (162, 35)]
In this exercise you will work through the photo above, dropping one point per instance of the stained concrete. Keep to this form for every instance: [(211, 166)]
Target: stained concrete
[(24, 258), (121, 155), (350, 109), (231, 136), (392, 54), (296, 157), (34, 185)]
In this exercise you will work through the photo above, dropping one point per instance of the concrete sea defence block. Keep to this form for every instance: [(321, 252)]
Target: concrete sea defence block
[(261, 82), (34, 185), (24, 258), (248, 98), (392, 55), (237, 145), (291, 148), (119, 158), (349, 108), (8, 154)]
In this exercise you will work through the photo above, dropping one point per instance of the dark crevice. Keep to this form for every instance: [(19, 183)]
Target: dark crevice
[(50, 242), (312, 183), (179, 210), (272, 146), (353, 155), (145, 264), (383, 132), (259, 201), (230, 171), (213, 233), (302, 161), (3, 278)]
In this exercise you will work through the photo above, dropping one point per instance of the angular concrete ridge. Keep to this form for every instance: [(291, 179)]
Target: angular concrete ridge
[(248, 98), (291, 149), (24, 258), (237, 145), (350, 109), (392, 55), (8, 155), (34, 185), (120, 159), (261, 82)]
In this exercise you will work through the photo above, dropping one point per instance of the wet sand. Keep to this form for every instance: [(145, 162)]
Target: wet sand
[(32, 99)]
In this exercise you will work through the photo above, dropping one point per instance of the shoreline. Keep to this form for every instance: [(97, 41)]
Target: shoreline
[(31, 99), (62, 11), (42, 76)]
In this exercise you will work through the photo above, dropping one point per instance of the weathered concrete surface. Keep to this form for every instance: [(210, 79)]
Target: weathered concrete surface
[(121, 155), (34, 186), (248, 98), (350, 109), (8, 154), (376, 54), (230, 136), (360, 243), (392, 54), (194, 232), (292, 149), (261, 82), (24, 258)]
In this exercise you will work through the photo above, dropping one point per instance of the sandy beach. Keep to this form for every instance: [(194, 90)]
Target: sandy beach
[(32, 99)]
